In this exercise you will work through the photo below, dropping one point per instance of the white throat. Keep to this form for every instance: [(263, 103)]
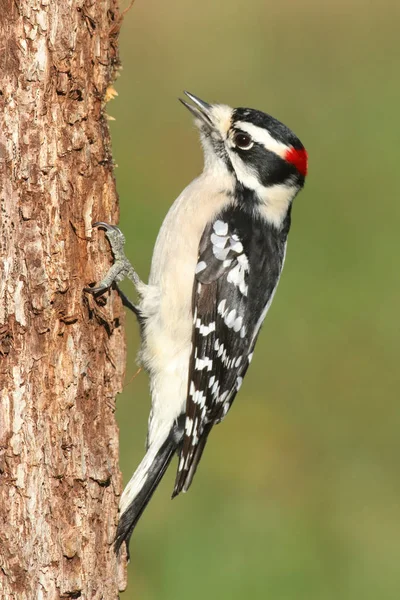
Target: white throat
[(275, 200)]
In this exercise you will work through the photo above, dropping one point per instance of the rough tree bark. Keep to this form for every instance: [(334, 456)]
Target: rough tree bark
[(61, 353)]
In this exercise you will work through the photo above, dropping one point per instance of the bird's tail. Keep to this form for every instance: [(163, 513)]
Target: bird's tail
[(141, 487)]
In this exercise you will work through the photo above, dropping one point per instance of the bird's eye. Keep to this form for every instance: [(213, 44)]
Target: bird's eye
[(243, 140)]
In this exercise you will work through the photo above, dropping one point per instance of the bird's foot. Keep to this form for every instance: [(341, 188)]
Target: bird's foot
[(121, 267)]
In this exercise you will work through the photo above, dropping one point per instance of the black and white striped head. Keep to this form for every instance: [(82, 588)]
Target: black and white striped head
[(265, 157)]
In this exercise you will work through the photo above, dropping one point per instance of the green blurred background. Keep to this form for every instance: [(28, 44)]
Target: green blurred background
[(298, 493)]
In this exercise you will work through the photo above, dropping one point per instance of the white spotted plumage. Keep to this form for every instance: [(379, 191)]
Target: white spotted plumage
[(205, 329), (220, 227), (200, 267), (203, 363)]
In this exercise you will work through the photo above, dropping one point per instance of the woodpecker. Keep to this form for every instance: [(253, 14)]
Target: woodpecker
[(214, 272)]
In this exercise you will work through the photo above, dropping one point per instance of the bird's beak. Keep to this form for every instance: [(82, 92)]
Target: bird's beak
[(201, 110)]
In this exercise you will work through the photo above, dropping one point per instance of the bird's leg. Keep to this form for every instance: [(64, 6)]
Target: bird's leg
[(120, 269)]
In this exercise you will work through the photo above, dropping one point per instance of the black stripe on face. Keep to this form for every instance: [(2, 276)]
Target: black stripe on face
[(269, 168)]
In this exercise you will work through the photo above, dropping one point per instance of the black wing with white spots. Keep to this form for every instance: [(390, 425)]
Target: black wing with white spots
[(238, 269)]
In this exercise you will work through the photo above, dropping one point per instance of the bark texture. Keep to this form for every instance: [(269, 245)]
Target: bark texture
[(62, 354)]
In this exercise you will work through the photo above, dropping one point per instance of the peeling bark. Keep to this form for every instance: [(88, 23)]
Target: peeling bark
[(62, 354)]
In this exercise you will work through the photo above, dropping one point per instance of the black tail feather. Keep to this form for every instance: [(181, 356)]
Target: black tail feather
[(131, 516)]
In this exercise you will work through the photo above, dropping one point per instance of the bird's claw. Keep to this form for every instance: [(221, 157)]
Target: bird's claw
[(122, 267)]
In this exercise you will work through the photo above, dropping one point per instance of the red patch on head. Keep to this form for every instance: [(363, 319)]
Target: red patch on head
[(299, 159)]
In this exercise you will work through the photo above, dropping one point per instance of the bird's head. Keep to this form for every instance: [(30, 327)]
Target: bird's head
[(267, 160)]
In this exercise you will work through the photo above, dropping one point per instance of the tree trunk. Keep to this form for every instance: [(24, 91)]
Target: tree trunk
[(62, 354)]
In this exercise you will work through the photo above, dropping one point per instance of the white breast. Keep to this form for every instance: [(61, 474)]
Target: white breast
[(167, 301)]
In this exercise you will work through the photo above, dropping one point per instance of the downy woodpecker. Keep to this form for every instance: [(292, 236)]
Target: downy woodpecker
[(215, 269)]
